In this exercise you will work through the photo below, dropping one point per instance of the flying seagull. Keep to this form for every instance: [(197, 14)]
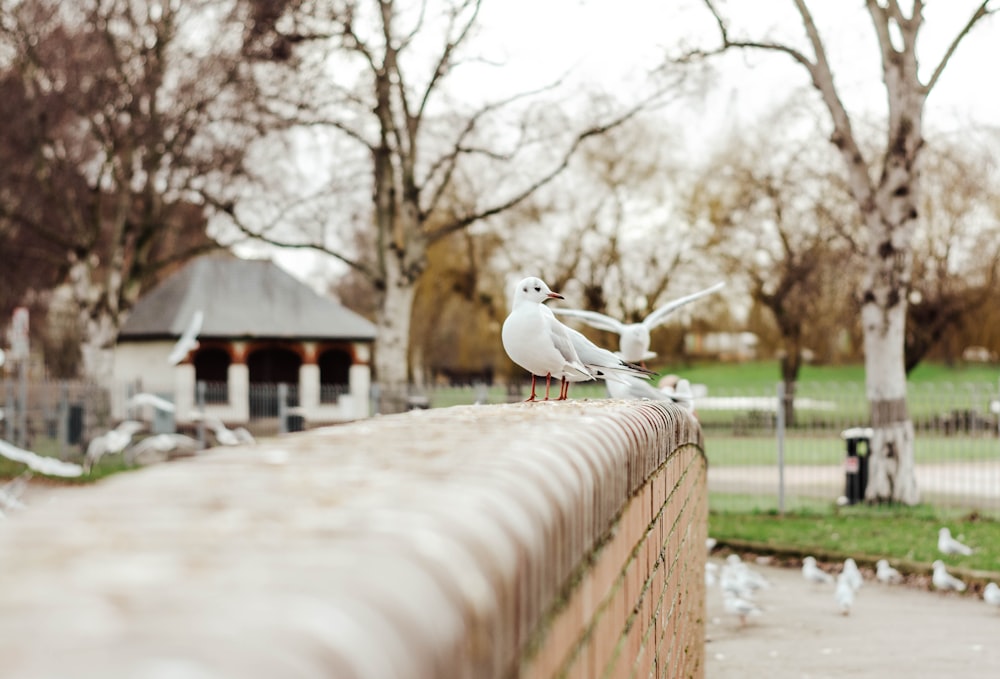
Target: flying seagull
[(39, 463), (188, 341), (634, 337)]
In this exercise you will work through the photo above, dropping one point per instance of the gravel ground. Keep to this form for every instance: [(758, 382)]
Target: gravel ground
[(891, 631)]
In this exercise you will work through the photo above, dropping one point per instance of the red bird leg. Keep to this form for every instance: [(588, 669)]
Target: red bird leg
[(532, 397), (564, 390), (548, 383)]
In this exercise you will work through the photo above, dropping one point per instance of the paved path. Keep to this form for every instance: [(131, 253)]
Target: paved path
[(891, 632)]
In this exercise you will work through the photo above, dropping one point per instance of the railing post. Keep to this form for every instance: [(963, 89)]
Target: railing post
[(780, 427), (199, 397), (282, 408)]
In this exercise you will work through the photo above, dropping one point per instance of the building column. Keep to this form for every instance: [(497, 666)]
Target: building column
[(184, 396), (238, 377), (309, 388), (360, 378)]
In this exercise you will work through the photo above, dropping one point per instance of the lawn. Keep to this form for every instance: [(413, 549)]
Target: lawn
[(904, 535)]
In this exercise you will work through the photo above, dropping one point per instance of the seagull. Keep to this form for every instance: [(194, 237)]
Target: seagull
[(629, 387), (710, 544), (944, 580), (711, 574), (852, 574), (537, 342), (39, 463), (886, 573), (111, 442), (991, 594), (739, 607), (10, 492), (633, 338), (844, 593), (813, 573), (146, 399), (161, 447), (225, 436), (188, 341), (949, 545)]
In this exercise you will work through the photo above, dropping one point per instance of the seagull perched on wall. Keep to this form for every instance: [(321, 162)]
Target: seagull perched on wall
[(536, 341), (39, 463), (634, 338), (225, 436), (161, 447), (949, 545), (188, 341)]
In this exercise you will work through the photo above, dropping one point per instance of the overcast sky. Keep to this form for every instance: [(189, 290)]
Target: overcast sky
[(613, 43)]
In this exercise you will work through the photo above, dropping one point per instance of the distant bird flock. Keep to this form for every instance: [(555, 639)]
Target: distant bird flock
[(740, 584)]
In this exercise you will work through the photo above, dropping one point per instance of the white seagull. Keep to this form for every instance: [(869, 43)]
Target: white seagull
[(634, 337), (111, 442), (225, 436), (949, 545), (991, 594), (852, 574), (739, 607), (537, 342), (886, 573), (944, 580), (160, 447), (844, 593), (188, 341), (145, 399), (813, 573), (39, 463)]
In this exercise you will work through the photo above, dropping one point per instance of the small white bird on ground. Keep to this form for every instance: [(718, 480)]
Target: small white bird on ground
[(813, 573), (991, 594), (146, 399), (710, 544), (225, 436), (711, 574), (844, 593), (188, 340), (161, 447), (111, 442), (39, 463), (738, 606), (887, 574), (852, 574), (634, 338), (537, 342), (949, 545), (944, 580)]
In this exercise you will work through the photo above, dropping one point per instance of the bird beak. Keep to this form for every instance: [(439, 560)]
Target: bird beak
[(554, 295)]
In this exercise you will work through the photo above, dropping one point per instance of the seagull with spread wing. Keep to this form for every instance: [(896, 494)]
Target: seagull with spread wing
[(188, 341), (634, 338)]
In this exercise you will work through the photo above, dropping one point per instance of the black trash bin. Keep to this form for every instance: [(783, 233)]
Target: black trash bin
[(856, 463), (74, 424), (295, 422)]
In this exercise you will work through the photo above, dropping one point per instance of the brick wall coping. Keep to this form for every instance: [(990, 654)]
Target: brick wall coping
[(427, 544)]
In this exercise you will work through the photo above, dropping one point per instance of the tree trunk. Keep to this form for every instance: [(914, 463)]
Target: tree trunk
[(393, 337)]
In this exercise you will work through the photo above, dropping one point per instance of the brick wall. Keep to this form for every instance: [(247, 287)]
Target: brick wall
[(535, 540)]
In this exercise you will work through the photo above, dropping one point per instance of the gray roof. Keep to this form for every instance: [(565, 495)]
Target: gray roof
[(241, 298)]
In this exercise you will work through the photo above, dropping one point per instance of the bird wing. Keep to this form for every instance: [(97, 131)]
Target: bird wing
[(145, 399), (656, 317), (559, 334), (187, 339), (39, 463), (593, 319)]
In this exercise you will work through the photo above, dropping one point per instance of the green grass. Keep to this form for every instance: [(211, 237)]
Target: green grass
[(901, 534), (727, 450)]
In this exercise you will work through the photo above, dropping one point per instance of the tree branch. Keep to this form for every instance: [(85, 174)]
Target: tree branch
[(980, 12)]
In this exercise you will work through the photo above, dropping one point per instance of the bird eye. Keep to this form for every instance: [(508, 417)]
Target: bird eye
[(537, 289)]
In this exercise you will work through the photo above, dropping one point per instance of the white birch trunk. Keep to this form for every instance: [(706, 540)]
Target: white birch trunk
[(393, 338)]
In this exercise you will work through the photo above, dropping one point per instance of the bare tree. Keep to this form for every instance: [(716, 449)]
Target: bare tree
[(127, 112), (374, 76), (886, 187), (777, 219), (956, 266)]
